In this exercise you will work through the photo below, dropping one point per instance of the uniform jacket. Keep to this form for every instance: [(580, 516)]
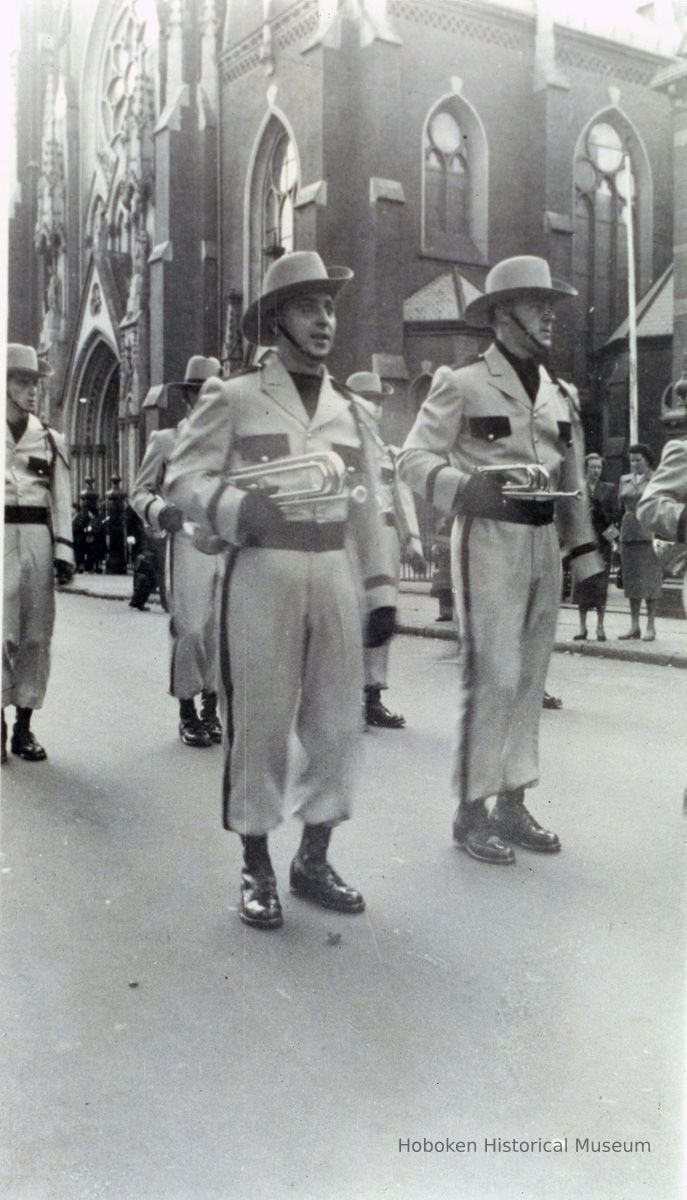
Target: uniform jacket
[(257, 416), (662, 508), (37, 474), (395, 498), (630, 491), (481, 415), (146, 494)]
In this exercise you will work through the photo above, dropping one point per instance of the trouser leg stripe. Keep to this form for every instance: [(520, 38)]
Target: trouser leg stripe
[(467, 654), (225, 674)]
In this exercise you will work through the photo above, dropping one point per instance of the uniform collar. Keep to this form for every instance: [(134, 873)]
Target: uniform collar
[(279, 386), (502, 375)]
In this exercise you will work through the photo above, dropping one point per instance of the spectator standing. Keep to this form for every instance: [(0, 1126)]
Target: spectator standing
[(639, 563)]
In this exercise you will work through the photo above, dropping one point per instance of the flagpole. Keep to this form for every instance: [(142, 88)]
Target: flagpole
[(631, 306)]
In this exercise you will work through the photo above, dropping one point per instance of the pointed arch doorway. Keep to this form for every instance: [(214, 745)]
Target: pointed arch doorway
[(94, 425)]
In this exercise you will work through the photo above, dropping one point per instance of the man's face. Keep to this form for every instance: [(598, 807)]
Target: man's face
[(537, 315), (311, 321), (594, 468), (22, 393)]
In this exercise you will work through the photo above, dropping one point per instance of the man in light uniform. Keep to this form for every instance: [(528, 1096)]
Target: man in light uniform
[(290, 646), (193, 575), (662, 508), (38, 543), (401, 531), (503, 410)]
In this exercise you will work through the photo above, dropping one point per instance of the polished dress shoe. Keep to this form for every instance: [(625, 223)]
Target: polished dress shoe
[(312, 877), (473, 832), (193, 732), (378, 714), (260, 905), (512, 821), (24, 745), (209, 719), (551, 701)]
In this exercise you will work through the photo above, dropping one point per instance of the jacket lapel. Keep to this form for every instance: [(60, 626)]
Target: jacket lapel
[(276, 382), (504, 377), (330, 405)]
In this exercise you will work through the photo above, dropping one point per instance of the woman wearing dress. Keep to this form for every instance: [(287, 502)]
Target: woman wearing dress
[(593, 592), (639, 564)]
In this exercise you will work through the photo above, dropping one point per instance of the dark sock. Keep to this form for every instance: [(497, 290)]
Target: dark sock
[(255, 852), (187, 709), (23, 720)]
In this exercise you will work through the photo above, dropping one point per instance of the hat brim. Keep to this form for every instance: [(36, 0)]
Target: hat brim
[(255, 324), (189, 385), (377, 397), (34, 375), (479, 312)]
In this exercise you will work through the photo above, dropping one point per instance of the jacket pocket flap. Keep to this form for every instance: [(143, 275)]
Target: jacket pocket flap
[(489, 429), (263, 447), (38, 466)]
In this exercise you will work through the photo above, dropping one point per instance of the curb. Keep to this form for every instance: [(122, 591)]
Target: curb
[(652, 657), (591, 649)]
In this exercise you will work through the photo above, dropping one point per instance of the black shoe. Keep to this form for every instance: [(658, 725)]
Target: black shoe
[(142, 607), (24, 745), (260, 905), (473, 832), (378, 714), (193, 732), (551, 701), (320, 882), (208, 717), (511, 820)]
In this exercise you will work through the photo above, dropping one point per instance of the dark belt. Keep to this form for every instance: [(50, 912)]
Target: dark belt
[(389, 519), (306, 535), (26, 514), (520, 512)]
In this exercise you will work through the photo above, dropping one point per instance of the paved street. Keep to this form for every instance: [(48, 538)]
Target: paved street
[(155, 1049)]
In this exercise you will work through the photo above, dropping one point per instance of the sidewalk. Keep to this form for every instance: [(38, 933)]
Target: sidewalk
[(417, 612)]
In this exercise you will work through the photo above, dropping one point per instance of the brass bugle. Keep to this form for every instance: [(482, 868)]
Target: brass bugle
[(536, 485), (321, 477)]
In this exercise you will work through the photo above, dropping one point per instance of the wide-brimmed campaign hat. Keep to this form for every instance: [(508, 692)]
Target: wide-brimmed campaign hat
[(22, 359), (198, 369), (370, 385), (293, 274), (509, 279)]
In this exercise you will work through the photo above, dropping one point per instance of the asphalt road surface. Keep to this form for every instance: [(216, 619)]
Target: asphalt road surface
[(156, 1049)]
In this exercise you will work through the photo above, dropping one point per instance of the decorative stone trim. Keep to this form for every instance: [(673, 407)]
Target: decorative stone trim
[(450, 19), (170, 117), (386, 189), (163, 252), (557, 222), (300, 21), (609, 65), (313, 193)]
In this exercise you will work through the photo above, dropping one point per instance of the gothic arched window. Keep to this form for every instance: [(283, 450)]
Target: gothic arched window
[(454, 182), (605, 184), (279, 195)]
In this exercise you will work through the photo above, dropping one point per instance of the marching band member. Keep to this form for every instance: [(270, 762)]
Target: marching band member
[(38, 541), (193, 576), (402, 535), (502, 410), (290, 646)]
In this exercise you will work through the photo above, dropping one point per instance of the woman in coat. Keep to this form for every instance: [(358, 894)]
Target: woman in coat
[(593, 593), (638, 561)]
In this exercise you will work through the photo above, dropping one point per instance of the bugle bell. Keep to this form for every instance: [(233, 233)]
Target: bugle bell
[(535, 486)]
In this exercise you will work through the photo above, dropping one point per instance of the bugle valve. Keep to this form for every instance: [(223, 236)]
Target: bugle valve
[(535, 486)]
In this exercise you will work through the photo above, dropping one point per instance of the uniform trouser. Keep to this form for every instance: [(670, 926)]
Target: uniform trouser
[(376, 659), (193, 585), (507, 581), (28, 614), (291, 676)]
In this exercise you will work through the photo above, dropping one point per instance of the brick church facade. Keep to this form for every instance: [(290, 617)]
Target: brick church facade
[(165, 153)]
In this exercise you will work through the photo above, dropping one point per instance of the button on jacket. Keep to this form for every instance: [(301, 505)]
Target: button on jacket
[(506, 575), (36, 478), (290, 646)]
